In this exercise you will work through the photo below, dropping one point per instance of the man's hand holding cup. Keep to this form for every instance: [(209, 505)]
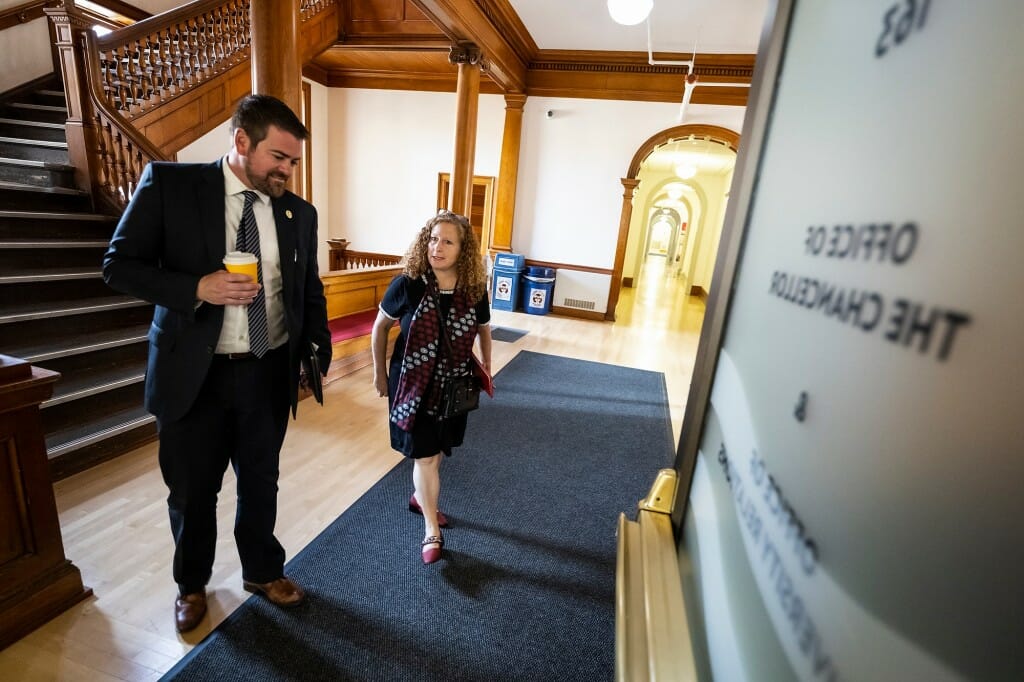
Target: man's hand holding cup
[(235, 285)]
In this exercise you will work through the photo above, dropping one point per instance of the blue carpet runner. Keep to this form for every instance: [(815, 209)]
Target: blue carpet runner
[(526, 588), (507, 334)]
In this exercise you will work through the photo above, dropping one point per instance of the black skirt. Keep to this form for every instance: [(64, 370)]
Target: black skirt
[(429, 436)]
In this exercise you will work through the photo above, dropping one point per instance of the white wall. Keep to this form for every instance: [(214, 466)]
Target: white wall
[(25, 49), (386, 149), (569, 191), (320, 134), (157, 6)]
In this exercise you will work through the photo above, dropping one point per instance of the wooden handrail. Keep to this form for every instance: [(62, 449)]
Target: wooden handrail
[(24, 13), (121, 152), (124, 9), (144, 65)]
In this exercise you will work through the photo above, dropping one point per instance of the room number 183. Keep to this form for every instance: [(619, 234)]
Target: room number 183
[(898, 21)]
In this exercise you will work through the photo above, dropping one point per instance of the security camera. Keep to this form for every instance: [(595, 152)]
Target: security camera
[(550, 113)]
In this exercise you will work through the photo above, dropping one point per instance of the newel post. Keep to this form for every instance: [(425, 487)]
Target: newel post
[(37, 582), (70, 26)]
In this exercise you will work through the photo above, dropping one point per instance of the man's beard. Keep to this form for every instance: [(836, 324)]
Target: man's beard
[(263, 183)]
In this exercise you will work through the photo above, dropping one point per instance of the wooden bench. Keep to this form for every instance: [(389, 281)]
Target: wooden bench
[(352, 300)]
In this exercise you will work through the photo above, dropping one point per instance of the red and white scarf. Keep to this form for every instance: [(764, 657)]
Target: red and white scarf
[(426, 356)]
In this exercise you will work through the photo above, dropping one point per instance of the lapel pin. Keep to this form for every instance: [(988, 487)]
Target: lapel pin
[(288, 213)]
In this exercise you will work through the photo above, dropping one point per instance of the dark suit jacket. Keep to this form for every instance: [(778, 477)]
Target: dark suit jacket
[(171, 234)]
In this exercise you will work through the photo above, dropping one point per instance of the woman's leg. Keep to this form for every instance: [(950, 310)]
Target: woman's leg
[(426, 477)]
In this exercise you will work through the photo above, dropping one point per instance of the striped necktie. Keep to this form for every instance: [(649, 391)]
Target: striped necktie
[(249, 241)]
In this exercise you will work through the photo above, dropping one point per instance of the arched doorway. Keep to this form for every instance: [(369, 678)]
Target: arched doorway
[(673, 136)]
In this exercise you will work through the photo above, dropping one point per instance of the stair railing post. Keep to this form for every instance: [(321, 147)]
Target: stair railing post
[(70, 27)]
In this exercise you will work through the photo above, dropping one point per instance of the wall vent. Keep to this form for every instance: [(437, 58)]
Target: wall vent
[(579, 303)]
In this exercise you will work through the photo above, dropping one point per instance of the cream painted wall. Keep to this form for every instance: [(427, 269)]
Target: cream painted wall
[(386, 148), (713, 225), (157, 6), (26, 51)]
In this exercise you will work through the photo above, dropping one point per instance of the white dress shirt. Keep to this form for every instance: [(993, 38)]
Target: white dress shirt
[(234, 335)]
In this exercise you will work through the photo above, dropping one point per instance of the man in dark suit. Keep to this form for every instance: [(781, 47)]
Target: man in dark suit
[(224, 350)]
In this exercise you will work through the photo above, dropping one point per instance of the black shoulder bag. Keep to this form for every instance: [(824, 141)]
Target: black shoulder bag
[(460, 394)]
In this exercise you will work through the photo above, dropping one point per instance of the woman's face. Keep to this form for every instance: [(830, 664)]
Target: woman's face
[(443, 247)]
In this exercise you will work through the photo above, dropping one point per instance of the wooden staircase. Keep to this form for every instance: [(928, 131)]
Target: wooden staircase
[(55, 310)]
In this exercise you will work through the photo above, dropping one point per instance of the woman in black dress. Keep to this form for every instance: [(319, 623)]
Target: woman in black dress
[(442, 289)]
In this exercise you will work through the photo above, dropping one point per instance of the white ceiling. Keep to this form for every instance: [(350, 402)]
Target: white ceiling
[(716, 26)]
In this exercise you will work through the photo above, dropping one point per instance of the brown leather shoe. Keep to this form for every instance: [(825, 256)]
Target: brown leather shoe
[(189, 610), (282, 592)]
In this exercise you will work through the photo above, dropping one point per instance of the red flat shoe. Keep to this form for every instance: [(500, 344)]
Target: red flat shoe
[(432, 554), (415, 508)]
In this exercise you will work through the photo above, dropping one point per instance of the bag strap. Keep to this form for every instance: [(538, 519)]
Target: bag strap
[(443, 329)]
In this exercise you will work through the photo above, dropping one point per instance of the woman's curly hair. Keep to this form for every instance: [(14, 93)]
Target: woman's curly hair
[(470, 268)]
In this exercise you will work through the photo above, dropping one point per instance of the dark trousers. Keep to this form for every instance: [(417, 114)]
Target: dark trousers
[(239, 417)]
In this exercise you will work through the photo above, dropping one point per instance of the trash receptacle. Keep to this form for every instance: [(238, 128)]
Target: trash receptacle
[(538, 283), (505, 282)]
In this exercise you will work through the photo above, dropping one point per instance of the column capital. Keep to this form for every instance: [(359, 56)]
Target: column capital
[(464, 52), (515, 101), (630, 185)]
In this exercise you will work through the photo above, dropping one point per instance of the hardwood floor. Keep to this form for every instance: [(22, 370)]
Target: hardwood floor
[(114, 518)]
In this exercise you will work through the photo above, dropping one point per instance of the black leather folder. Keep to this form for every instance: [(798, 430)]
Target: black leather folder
[(314, 379)]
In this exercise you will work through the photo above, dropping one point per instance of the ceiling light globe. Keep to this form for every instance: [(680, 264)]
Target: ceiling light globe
[(685, 171), (629, 12)]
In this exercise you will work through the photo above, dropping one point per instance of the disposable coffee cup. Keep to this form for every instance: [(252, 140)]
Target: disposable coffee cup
[(240, 261)]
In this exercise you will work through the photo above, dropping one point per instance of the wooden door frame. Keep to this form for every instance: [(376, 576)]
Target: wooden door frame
[(719, 134), (485, 181)]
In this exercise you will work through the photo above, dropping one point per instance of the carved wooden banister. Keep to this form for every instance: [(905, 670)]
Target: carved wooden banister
[(121, 152), (360, 260), (136, 78), (143, 65)]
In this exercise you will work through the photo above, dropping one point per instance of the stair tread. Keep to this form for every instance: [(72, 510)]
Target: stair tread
[(67, 440), (32, 311), (18, 276), (57, 243), (32, 124), (80, 343), (57, 215), (34, 143), (21, 187), (37, 107), (92, 382), (32, 163)]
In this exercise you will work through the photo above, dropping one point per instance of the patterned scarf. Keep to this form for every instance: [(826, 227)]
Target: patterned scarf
[(426, 356)]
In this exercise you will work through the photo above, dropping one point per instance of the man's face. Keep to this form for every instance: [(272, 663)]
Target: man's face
[(269, 164)]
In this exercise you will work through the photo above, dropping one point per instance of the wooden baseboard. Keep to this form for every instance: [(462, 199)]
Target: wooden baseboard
[(577, 313)]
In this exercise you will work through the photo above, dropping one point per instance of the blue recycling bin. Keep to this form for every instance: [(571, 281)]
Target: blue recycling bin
[(505, 280), (538, 285)]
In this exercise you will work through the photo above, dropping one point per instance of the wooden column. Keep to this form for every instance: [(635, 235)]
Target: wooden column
[(467, 56), (68, 26), (629, 188), (37, 582), (274, 52), (508, 171)]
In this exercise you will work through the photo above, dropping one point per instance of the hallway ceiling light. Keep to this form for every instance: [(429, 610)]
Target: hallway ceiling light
[(674, 192), (685, 171), (629, 12)]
